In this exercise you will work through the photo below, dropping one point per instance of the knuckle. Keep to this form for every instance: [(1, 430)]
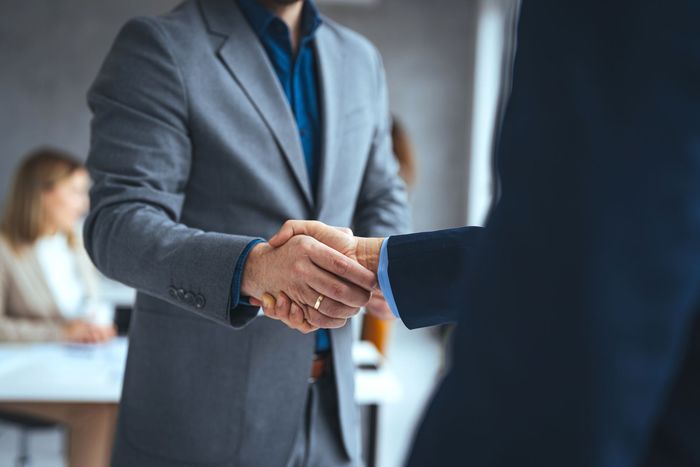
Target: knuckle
[(334, 310), (296, 291), (303, 245), (308, 245), (339, 290), (299, 267), (341, 265), (310, 315), (314, 321), (321, 321)]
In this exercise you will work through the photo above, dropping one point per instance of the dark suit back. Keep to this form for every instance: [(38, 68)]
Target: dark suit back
[(579, 340)]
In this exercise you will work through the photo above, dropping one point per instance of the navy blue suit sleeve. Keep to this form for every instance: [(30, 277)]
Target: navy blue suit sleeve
[(430, 274)]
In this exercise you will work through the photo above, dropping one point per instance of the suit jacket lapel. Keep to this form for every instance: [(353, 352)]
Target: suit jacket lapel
[(247, 61), (330, 61)]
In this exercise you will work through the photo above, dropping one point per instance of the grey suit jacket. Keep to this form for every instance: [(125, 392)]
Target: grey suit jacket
[(194, 153)]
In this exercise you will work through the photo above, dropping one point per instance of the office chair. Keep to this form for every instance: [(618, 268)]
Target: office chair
[(25, 424)]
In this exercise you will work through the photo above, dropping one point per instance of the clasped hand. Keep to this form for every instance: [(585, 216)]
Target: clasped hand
[(306, 260)]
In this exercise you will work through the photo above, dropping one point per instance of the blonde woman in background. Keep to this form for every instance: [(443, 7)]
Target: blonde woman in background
[(48, 288)]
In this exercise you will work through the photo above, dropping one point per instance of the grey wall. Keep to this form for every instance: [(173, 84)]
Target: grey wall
[(428, 52), (50, 51)]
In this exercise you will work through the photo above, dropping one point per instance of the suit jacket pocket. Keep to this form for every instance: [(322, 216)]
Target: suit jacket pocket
[(181, 400)]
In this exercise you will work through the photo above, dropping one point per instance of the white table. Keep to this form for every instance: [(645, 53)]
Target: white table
[(93, 374), (62, 372)]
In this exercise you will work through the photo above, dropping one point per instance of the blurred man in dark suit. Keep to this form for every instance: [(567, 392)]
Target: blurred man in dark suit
[(579, 339)]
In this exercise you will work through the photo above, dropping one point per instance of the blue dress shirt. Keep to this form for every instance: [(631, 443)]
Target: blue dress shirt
[(297, 75)]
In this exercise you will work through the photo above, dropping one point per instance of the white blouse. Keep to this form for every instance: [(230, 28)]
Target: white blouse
[(59, 263)]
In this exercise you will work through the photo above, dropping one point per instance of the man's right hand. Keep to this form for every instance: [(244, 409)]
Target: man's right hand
[(364, 250), (305, 269)]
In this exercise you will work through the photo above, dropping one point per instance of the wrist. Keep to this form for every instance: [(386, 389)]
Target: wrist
[(253, 271), (368, 250)]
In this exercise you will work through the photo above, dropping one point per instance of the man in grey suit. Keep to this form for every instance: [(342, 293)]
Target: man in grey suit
[(213, 124)]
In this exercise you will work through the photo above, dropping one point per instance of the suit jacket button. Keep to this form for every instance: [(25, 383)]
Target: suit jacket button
[(189, 298), (180, 294), (199, 301), (172, 291)]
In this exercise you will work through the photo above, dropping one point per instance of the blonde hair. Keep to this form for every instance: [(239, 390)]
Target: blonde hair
[(23, 219)]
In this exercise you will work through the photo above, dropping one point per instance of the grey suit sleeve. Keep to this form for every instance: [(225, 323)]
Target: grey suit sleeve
[(382, 207), (140, 159)]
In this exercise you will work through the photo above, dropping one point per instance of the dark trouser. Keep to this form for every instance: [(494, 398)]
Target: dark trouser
[(318, 442)]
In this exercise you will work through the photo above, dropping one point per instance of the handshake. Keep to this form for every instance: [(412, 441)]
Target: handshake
[(311, 275)]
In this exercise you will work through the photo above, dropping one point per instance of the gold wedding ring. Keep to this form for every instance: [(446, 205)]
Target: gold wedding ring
[(318, 302)]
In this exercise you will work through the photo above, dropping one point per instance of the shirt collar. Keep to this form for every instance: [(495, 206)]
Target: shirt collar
[(260, 17)]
